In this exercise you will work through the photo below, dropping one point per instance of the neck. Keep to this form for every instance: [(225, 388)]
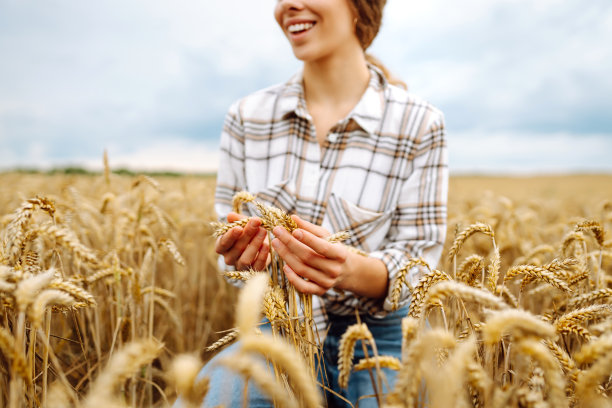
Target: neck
[(339, 79)]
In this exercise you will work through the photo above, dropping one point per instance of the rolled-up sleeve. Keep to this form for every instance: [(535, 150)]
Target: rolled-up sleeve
[(418, 225)]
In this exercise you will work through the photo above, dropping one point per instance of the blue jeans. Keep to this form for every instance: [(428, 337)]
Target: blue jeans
[(227, 388), (387, 333)]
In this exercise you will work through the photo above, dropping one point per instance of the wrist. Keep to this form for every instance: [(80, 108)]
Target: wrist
[(365, 276)]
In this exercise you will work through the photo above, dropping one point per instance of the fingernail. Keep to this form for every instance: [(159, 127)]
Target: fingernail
[(254, 222), (278, 231), (298, 234), (275, 243)]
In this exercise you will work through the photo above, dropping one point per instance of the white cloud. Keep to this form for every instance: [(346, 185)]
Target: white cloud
[(82, 76)]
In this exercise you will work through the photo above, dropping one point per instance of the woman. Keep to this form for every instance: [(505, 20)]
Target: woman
[(345, 149)]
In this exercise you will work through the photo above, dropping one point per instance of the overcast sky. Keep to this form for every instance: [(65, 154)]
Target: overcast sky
[(526, 85)]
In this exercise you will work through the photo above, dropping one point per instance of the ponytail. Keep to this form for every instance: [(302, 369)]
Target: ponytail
[(392, 79), (368, 19)]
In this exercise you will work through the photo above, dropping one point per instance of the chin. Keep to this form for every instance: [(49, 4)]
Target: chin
[(306, 56)]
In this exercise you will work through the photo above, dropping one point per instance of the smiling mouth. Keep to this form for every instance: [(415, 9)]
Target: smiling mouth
[(300, 28)]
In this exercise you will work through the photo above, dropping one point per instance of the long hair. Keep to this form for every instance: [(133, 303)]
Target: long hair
[(369, 14)]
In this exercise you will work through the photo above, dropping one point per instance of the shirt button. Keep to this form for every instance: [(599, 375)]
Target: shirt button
[(333, 138)]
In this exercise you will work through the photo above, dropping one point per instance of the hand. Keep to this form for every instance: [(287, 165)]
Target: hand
[(312, 264), (246, 247)]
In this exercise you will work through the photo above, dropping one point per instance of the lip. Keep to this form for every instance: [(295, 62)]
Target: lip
[(292, 21)]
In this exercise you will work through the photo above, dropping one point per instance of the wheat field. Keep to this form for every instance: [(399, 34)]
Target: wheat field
[(111, 296)]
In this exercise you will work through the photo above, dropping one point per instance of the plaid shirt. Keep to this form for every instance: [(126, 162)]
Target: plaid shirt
[(381, 174)]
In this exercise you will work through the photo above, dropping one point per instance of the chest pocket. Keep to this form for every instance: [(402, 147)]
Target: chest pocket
[(368, 228)]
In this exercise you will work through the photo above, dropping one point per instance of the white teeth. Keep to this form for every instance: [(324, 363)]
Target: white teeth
[(294, 28)]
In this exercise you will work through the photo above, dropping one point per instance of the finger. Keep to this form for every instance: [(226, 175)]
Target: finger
[(309, 256), (315, 229), (250, 230), (261, 262), (296, 248), (302, 285), (226, 241), (303, 269), (319, 245), (232, 216), (249, 255)]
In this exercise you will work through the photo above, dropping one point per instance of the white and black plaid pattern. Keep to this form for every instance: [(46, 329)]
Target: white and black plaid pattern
[(381, 173)]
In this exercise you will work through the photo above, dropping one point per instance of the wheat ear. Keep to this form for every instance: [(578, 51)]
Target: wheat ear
[(170, 246), (9, 349), (537, 273), (470, 269), (596, 349), (148, 180), (240, 198), (444, 289), (588, 298), (518, 322), (549, 364), (47, 297), (594, 227), (583, 315), (66, 238), (590, 380), (346, 350), (569, 239), (338, 236), (183, 374), (466, 233), (28, 288), (420, 291), (248, 310), (285, 357), (382, 361), (121, 366), (406, 390), (401, 279), (253, 370), (220, 228), (75, 291), (223, 341)]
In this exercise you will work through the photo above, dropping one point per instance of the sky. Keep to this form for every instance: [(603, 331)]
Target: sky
[(525, 86)]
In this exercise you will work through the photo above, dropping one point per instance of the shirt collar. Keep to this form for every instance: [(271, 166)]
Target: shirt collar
[(367, 113)]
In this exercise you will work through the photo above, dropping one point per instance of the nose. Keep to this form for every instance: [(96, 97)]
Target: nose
[(286, 5)]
